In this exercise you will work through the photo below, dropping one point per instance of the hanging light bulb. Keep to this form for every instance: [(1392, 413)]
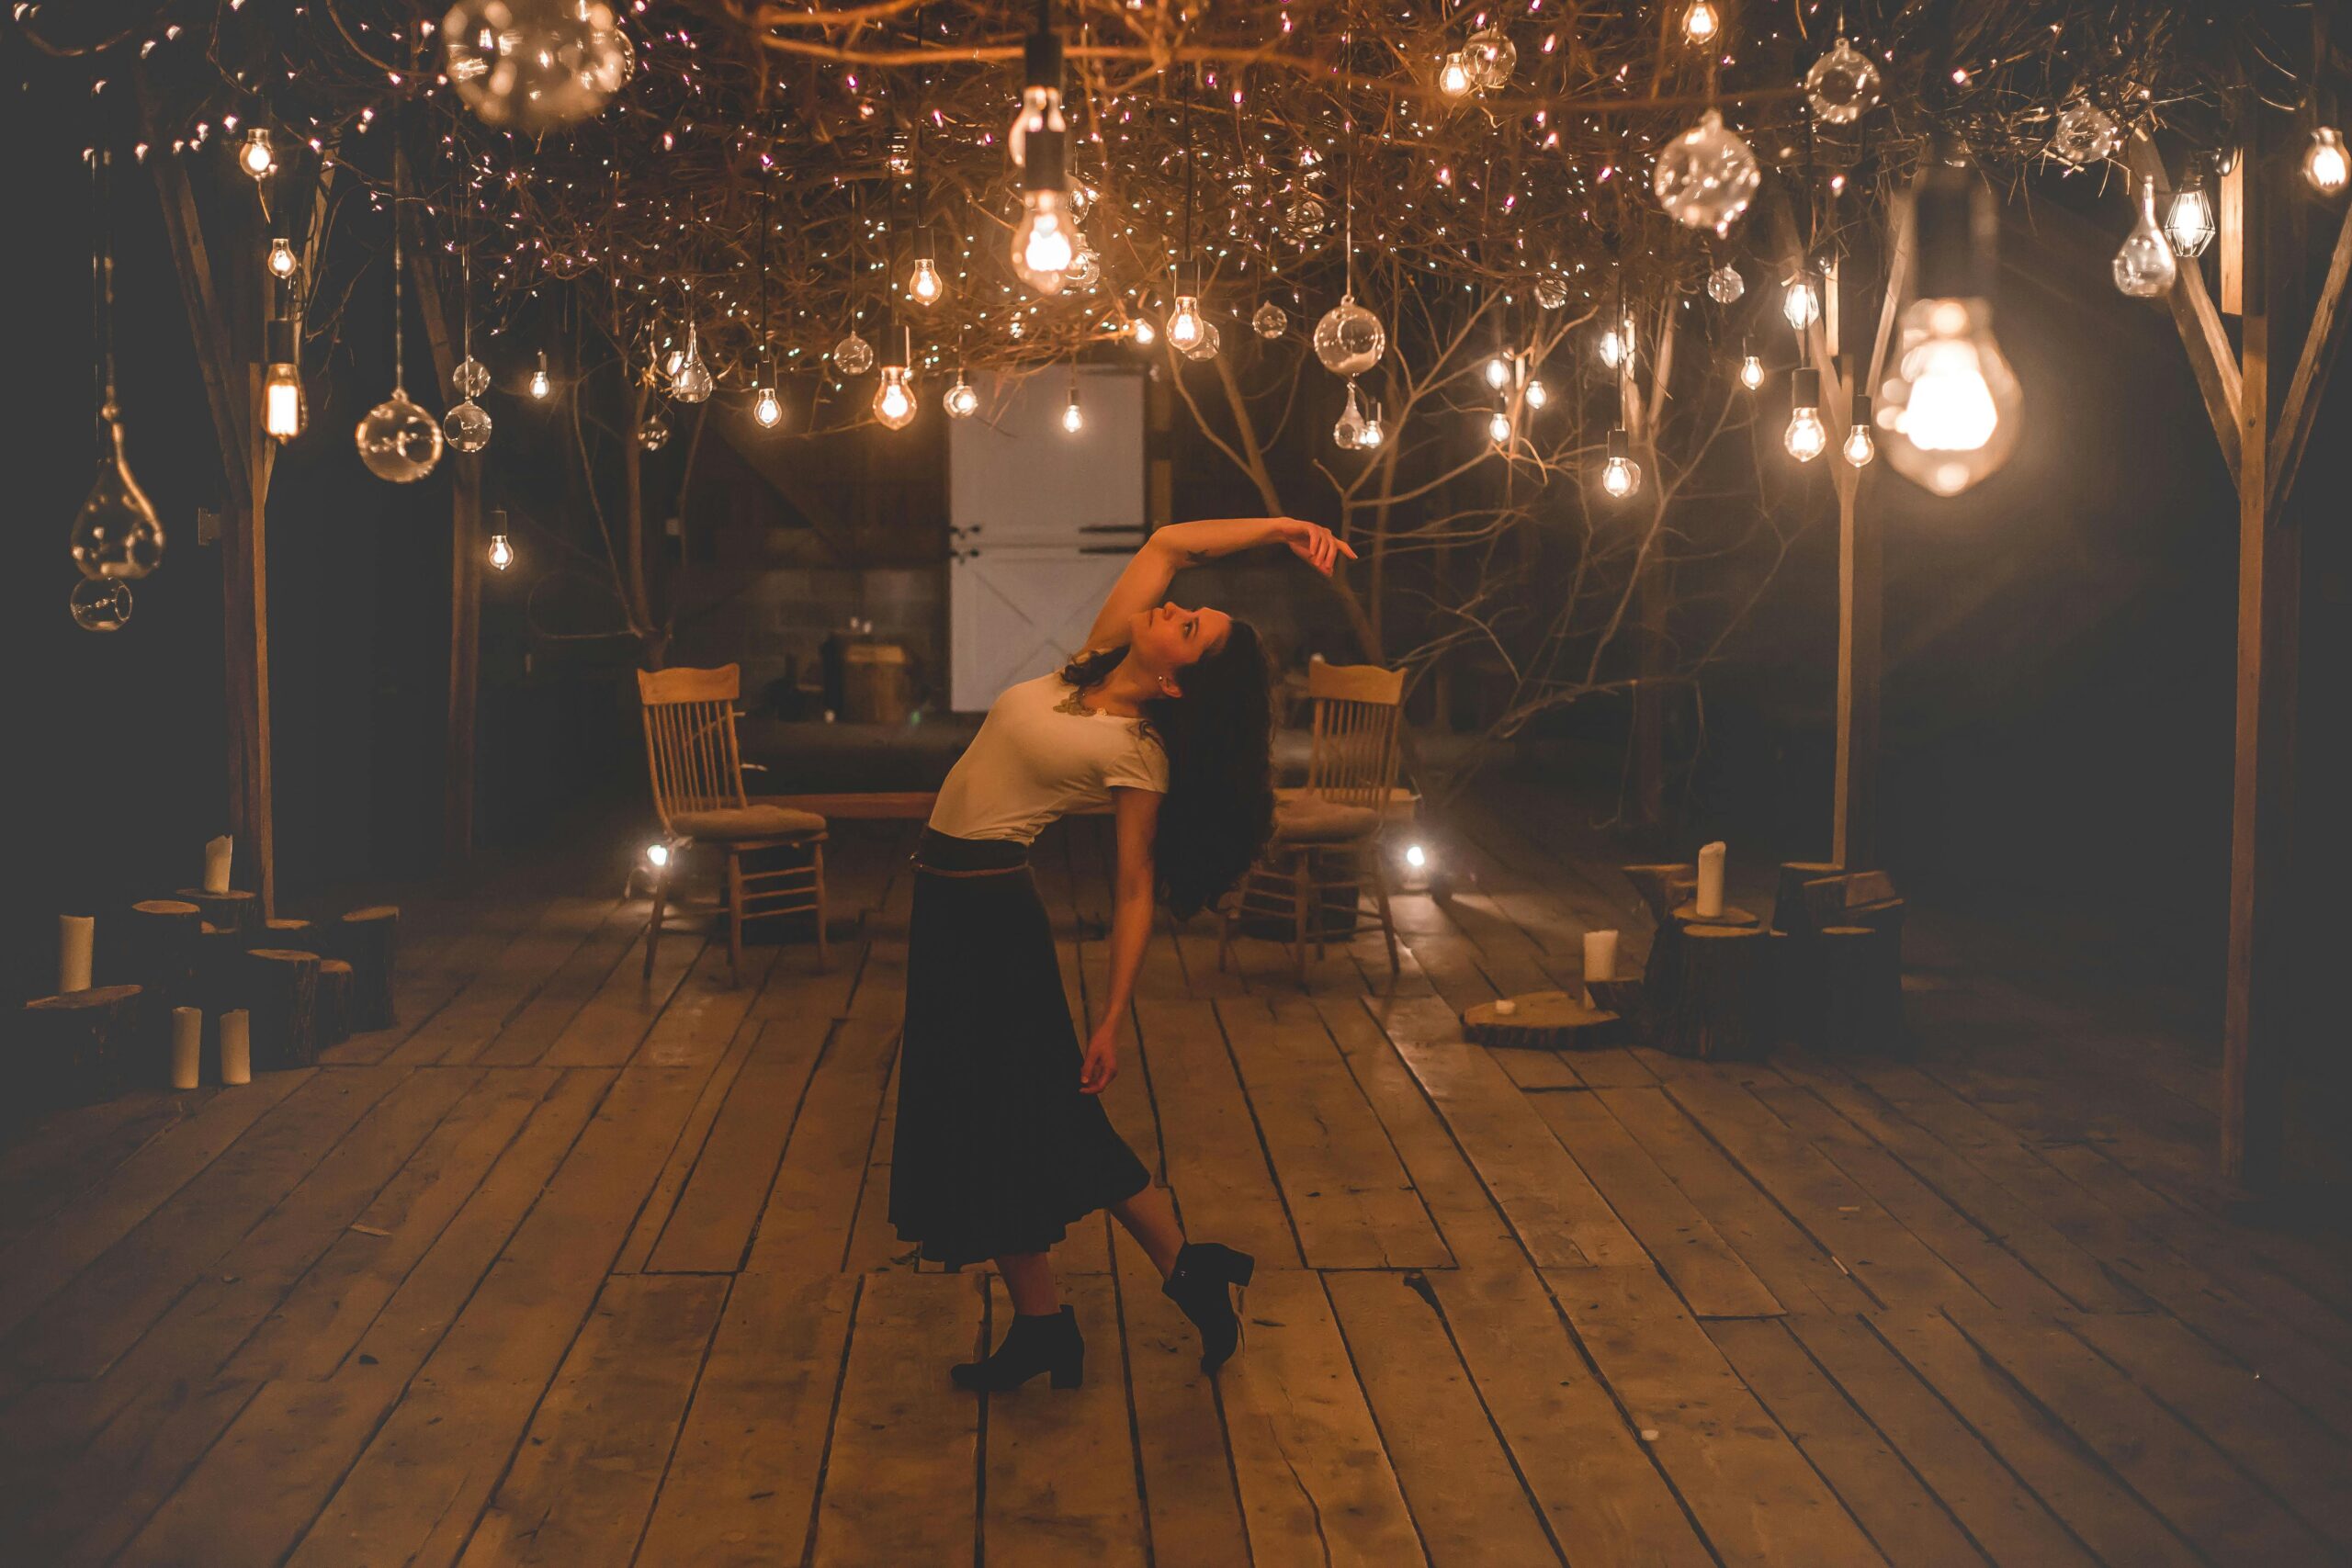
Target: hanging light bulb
[(1700, 22), (1143, 331), (2143, 264), (542, 385), (894, 399), (283, 407), (2189, 217), (1536, 393), (2326, 164), (767, 409), (1349, 432), (501, 549), (1621, 475), (1453, 78), (1860, 448), (1806, 439), (282, 260), (1800, 305), (1617, 343), (925, 285), (1373, 434), (1073, 421), (961, 401), (1043, 249), (1751, 372), (1045, 242), (1499, 427), (1950, 407), (254, 154), (1185, 328), (1498, 370)]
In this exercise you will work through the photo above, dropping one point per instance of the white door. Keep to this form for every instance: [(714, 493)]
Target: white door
[(1041, 522)]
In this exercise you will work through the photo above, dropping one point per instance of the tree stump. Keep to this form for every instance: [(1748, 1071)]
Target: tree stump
[(282, 994), (367, 940), (1722, 999), (333, 1012), (219, 982), (1549, 1020), (82, 1046), (156, 948), (1789, 912), (285, 932), (1862, 989), (236, 910), (1732, 915)]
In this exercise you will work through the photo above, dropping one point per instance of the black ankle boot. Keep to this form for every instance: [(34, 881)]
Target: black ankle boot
[(1048, 1342), (1199, 1284)]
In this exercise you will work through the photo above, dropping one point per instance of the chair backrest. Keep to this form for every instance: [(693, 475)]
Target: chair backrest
[(690, 738), (1353, 758)]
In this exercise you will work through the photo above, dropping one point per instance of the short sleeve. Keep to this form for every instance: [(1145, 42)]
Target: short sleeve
[(1143, 765)]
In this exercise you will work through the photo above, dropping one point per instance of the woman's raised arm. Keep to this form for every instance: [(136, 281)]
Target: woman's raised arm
[(1144, 582)]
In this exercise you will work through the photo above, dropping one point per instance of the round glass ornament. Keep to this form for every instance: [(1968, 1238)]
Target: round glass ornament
[(533, 65), (1304, 220), (1841, 85), (653, 429), (1724, 285), (1551, 292), (1492, 57), (472, 377), (1269, 320), (99, 605), (2085, 134), (853, 355), (1707, 175), (467, 426), (1349, 340), (399, 440)]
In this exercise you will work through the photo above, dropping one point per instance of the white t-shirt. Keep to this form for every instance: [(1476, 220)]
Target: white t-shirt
[(1041, 754)]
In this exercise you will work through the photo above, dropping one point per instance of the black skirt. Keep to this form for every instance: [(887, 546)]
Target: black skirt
[(996, 1150)]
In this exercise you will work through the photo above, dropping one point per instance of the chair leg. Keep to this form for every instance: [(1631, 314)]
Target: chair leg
[(816, 863), (734, 916), (653, 927), (1380, 892), (1225, 919), (1302, 885)]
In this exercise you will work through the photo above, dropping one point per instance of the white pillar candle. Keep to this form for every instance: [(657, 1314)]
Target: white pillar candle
[(218, 852), (188, 1043), (75, 935), (236, 1047), (1709, 900)]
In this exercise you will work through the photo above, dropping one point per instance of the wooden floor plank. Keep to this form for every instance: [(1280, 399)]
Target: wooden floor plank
[(70, 1151), (1466, 1499), (504, 985), (710, 1229), (1217, 1169), (583, 1483), (1061, 1481), (742, 1487), (606, 1031), (541, 1020), (1189, 1506), (805, 1217)]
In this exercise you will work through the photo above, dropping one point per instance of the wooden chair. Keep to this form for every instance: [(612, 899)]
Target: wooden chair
[(1326, 835), (698, 791)]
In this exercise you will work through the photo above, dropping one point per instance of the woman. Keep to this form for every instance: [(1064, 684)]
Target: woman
[(1002, 1141)]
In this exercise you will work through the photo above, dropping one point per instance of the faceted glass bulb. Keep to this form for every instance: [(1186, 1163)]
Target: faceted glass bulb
[(1085, 269), (1045, 242), (1551, 293), (1700, 22), (894, 399), (653, 429), (1454, 78), (767, 407), (472, 377), (1950, 410), (1185, 327), (1707, 175), (1073, 420), (1492, 58), (99, 605), (1349, 340), (282, 260), (1621, 476), (255, 156), (399, 440), (2143, 264), (690, 378), (853, 355), (1807, 437), (533, 65), (1081, 196), (1269, 320), (501, 552), (1349, 432), (117, 533), (1751, 372), (467, 425), (1304, 220), (2085, 134), (1724, 285), (1536, 393), (2189, 220), (284, 411), (924, 286), (1498, 428), (1841, 85), (961, 401), (1207, 344), (1801, 306), (542, 384), (1860, 448), (2326, 164), (1498, 371)]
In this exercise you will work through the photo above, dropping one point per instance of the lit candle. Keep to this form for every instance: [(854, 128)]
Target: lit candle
[(236, 1047), (75, 935), (187, 1040), (217, 854), (1709, 902)]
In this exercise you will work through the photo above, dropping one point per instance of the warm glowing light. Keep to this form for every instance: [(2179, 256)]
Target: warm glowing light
[(1537, 393), (925, 285), (657, 855), (501, 556), (1185, 327), (1373, 434), (1700, 22), (1454, 77), (2325, 162), (1045, 243), (767, 409), (282, 413), (961, 401), (1751, 372), (1617, 345), (1802, 303), (542, 385), (1953, 396), (282, 260), (1143, 331), (1498, 372), (1498, 428), (1860, 448), (256, 158), (1416, 856), (2189, 223), (1806, 437), (894, 399), (1621, 475), (1072, 420)]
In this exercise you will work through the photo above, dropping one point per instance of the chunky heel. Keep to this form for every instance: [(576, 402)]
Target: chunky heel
[(1243, 1267), (1203, 1283)]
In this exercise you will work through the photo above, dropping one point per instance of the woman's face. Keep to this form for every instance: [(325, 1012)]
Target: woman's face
[(1170, 638)]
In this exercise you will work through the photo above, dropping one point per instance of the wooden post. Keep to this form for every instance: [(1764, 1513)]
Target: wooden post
[(445, 335)]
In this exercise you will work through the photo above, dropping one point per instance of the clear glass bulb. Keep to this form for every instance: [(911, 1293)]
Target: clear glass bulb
[(1498, 428), (501, 552), (1621, 476), (2326, 164), (1860, 448), (282, 409), (2189, 220), (2143, 263), (924, 286), (690, 378), (1951, 408), (1073, 421), (1046, 243), (1373, 434), (1802, 304), (961, 401), (767, 409), (1492, 57), (1184, 328), (542, 386), (1751, 372), (1453, 78), (1143, 331), (282, 260), (1497, 371), (1807, 437), (255, 156), (1700, 22), (1537, 393), (894, 399)]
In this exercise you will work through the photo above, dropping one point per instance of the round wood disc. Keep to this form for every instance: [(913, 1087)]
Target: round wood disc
[(1732, 916)]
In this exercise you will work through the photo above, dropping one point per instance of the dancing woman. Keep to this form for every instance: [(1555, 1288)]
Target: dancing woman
[(1002, 1141)]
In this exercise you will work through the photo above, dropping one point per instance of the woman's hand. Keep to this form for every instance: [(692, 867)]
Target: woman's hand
[(1101, 1063), (1314, 544)]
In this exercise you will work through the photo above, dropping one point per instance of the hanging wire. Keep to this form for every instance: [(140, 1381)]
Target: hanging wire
[(102, 292), (1191, 256)]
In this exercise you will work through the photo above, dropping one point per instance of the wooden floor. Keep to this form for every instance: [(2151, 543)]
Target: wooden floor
[(567, 1268)]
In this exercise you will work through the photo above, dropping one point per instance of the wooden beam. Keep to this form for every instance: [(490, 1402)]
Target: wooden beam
[(2210, 357), (244, 627), (207, 321), (2293, 428), (444, 332)]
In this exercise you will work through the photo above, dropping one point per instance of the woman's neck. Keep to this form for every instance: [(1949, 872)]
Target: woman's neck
[(1126, 688)]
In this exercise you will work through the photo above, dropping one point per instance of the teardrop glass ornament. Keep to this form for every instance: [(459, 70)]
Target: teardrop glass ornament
[(1349, 432), (117, 534), (2143, 264)]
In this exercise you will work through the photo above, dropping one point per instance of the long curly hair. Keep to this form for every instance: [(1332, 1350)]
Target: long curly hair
[(1219, 734)]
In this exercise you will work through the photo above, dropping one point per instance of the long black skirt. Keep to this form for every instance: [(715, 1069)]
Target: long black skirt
[(997, 1151)]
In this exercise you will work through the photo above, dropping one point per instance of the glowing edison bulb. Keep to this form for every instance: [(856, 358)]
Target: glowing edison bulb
[(925, 285), (283, 413), (1373, 434), (1621, 475), (2325, 161), (2189, 222), (1072, 420), (1184, 328), (256, 158), (1802, 304), (1498, 428), (1454, 77), (1045, 243), (1700, 22), (542, 385), (1952, 402), (1751, 372), (961, 401), (894, 399), (1617, 345), (282, 262), (1143, 331), (1498, 372), (1806, 437), (767, 407), (1860, 448), (501, 552), (1537, 394)]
